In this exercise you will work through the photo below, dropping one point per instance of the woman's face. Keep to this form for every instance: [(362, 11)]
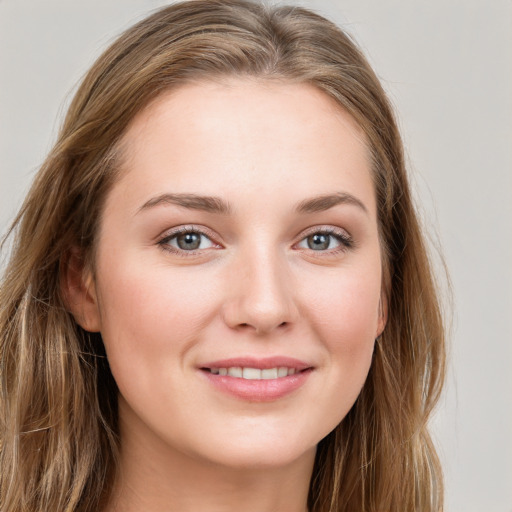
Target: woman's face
[(238, 272)]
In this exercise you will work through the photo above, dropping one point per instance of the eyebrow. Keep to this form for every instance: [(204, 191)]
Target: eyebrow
[(192, 201), (325, 202), (214, 204)]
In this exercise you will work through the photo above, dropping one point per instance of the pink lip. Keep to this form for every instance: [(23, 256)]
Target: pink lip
[(255, 362), (258, 390)]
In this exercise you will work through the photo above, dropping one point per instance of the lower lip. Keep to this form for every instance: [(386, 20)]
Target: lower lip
[(264, 390)]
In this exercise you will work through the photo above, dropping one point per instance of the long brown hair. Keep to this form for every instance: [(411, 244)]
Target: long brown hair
[(59, 435)]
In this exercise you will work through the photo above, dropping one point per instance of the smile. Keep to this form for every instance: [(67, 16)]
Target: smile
[(254, 373), (257, 379)]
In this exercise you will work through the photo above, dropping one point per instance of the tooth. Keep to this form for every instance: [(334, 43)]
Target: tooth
[(251, 373), (269, 373), (282, 371), (215, 371), (291, 371), (235, 371), (223, 371)]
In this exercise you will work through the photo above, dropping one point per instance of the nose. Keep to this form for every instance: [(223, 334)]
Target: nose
[(261, 295)]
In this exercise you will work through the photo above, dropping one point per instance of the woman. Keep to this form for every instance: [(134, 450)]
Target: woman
[(219, 295)]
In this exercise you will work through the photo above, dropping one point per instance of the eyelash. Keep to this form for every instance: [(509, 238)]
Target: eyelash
[(345, 240), (164, 242)]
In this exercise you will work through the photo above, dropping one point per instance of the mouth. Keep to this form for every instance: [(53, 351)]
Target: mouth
[(257, 380), (249, 373)]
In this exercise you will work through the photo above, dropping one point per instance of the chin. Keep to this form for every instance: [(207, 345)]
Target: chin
[(260, 456), (261, 445)]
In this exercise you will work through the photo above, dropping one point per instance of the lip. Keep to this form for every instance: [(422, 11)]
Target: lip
[(258, 390), (256, 362)]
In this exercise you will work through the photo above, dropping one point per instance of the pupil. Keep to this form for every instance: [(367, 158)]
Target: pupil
[(318, 241), (189, 241)]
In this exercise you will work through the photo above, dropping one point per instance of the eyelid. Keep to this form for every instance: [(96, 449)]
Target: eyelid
[(188, 228), (345, 239), (325, 228)]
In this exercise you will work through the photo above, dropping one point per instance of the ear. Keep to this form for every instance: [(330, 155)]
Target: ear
[(79, 291), (383, 315)]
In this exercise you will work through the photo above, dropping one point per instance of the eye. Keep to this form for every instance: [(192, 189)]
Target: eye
[(186, 240), (324, 240)]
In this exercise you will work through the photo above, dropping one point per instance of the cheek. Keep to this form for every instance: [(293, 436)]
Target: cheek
[(344, 312), (149, 311), (344, 305)]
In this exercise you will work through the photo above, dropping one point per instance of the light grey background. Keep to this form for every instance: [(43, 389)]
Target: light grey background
[(448, 68)]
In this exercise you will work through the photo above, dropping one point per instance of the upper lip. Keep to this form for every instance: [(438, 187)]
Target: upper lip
[(256, 362)]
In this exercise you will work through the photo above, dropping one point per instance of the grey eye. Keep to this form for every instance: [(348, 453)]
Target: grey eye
[(189, 241), (320, 242)]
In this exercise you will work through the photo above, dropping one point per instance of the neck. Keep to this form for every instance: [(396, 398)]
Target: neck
[(154, 477)]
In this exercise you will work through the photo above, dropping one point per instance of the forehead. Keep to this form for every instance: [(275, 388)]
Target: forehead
[(246, 103), (245, 135)]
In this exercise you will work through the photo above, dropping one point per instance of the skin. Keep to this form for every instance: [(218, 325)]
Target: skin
[(254, 287)]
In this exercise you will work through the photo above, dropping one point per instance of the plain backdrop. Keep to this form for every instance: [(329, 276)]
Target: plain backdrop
[(447, 65)]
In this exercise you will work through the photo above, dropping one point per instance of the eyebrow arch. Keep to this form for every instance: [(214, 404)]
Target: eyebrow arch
[(192, 201), (214, 204), (324, 202)]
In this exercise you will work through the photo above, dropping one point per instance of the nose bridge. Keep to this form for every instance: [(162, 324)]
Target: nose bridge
[(263, 297)]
